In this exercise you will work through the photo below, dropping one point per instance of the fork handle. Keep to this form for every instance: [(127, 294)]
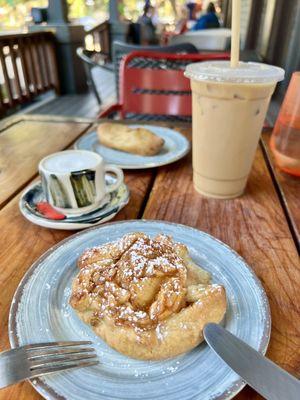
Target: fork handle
[(11, 370)]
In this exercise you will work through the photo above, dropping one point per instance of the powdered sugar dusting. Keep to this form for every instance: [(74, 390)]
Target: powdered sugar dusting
[(136, 281)]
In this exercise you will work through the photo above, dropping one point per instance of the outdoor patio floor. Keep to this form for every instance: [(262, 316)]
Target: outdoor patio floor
[(80, 105)]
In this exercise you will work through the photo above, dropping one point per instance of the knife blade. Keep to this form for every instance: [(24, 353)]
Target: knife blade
[(267, 378)]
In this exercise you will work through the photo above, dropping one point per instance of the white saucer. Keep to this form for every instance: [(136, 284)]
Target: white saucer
[(111, 205)]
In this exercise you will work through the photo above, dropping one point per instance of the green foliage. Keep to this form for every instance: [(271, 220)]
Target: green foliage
[(87, 8), (15, 14)]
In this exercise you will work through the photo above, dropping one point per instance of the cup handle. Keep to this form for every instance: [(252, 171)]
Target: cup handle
[(120, 177)]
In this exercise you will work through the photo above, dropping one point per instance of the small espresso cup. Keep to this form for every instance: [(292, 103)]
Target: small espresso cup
[(73, 181)]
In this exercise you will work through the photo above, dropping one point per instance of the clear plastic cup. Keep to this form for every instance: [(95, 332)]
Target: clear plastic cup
[(229, 108), (285, 139)]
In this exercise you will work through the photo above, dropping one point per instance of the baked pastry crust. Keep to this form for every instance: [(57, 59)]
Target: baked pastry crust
[(145, 297), (132, 140)]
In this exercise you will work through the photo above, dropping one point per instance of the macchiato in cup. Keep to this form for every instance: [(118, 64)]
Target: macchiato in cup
[(74, 180)]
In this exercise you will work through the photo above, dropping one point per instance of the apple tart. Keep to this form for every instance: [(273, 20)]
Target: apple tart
[(145, 297)]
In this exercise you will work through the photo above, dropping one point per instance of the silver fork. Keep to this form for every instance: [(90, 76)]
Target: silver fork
[(33, 360)]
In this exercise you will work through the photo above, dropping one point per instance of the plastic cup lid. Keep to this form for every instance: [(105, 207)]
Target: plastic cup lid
[(246, 72)]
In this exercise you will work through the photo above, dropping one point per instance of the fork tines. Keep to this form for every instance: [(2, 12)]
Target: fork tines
[(44, 358)]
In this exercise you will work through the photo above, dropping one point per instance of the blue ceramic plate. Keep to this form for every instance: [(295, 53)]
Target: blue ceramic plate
[(176, 146), (40, 312), (110, 206)]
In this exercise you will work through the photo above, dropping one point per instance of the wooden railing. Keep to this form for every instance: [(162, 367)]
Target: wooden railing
[(98, 39), (27, 67)]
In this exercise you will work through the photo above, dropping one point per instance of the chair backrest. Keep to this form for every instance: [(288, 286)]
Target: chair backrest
[(120, 49), (90, 58), (154, 84)]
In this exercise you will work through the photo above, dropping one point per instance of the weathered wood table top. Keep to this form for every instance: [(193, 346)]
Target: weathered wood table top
[(262, 226)]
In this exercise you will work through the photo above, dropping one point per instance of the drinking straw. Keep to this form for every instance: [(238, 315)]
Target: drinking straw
[(235, 33)]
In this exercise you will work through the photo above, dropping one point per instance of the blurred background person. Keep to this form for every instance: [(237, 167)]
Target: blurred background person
[(194, 12), (181, 24), (147, 22), (208, 20)]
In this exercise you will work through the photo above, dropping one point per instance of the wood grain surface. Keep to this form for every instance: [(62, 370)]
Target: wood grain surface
[(24, 144), (288, 188), (25, 242), (254, 225)]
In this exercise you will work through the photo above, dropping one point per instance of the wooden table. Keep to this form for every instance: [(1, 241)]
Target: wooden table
[(262, 225)]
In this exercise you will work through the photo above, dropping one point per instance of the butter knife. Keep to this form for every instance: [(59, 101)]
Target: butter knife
[(259, 372)]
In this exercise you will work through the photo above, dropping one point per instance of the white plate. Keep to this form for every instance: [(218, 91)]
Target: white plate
[(40, 312), (110, 206), (176, 146)]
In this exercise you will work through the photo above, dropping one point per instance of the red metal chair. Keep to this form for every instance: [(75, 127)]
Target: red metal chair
[(153, 86)]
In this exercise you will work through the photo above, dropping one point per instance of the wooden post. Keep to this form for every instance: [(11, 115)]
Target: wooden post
[(118, 28), (68, 37), (57, 11), (113, 11)]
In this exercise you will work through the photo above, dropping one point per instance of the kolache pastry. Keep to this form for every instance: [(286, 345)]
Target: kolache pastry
[(139, 141), (145, 297)]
